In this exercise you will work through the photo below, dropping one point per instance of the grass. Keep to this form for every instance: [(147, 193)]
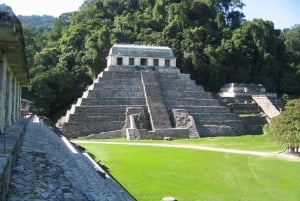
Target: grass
[(247, 115), (151, 173), (245, 142)]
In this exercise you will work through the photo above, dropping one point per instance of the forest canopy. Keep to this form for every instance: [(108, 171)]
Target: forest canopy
[(211, 40)]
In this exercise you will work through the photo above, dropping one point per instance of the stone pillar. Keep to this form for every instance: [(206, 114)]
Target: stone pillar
[(3, 75), (14, 100), (18, 106), (8, 101)]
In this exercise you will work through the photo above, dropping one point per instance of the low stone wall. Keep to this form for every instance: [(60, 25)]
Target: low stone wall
[(77, 129), (13, 136)]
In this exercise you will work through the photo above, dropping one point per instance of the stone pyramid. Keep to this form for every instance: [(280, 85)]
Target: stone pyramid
[(142, 95)]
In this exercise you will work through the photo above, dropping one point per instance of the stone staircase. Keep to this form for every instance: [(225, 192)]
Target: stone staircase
[(266, 105), (159, 116)]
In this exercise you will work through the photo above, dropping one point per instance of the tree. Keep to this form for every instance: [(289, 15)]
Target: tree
[(254, 54), (285, 128), (47, 57), (290, 79)]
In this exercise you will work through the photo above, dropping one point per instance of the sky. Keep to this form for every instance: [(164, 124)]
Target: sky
[(284, 13)]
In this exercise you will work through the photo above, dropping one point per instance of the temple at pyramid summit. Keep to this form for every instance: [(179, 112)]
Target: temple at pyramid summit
[(141, 94)]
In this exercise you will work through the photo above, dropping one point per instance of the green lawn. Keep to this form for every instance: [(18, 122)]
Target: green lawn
[(150, 173), (245, 142)]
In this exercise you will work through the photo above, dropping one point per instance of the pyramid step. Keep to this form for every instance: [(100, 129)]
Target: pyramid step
[(120, 74), (230, 122), (76, 129), (90, 117), (107, 93), (214, 116), (200, 109), (193, 102), (118, 86), (176, 86), (113, 101), (168, 94), (104, 109)]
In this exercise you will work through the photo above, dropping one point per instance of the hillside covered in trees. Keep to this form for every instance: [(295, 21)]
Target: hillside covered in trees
[(211, 40), (37, 24)]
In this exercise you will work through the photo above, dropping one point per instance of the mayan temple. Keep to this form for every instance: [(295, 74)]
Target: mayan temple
[(141, 94)]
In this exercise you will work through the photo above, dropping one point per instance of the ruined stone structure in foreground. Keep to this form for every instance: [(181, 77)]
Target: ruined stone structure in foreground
[(142, 95), (13, 67), (13, 76)]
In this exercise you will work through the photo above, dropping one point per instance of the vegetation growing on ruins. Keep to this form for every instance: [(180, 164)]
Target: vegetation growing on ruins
[(285, 128), (211, 40), (150, 173)]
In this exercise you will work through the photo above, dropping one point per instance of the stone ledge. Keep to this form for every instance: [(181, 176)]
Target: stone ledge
[(13, 135)]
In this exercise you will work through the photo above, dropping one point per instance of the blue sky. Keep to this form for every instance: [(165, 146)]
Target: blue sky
[(284, 13)]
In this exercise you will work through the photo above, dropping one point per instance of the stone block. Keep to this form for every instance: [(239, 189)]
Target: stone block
[(182, 119)]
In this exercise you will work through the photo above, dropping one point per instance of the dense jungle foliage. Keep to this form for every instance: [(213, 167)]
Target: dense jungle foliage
[(211, 39)]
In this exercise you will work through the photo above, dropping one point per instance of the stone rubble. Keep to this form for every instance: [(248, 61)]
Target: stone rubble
[(46, 169)]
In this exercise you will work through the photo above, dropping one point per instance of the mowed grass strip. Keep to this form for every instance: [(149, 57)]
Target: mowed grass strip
[(150, 173)]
